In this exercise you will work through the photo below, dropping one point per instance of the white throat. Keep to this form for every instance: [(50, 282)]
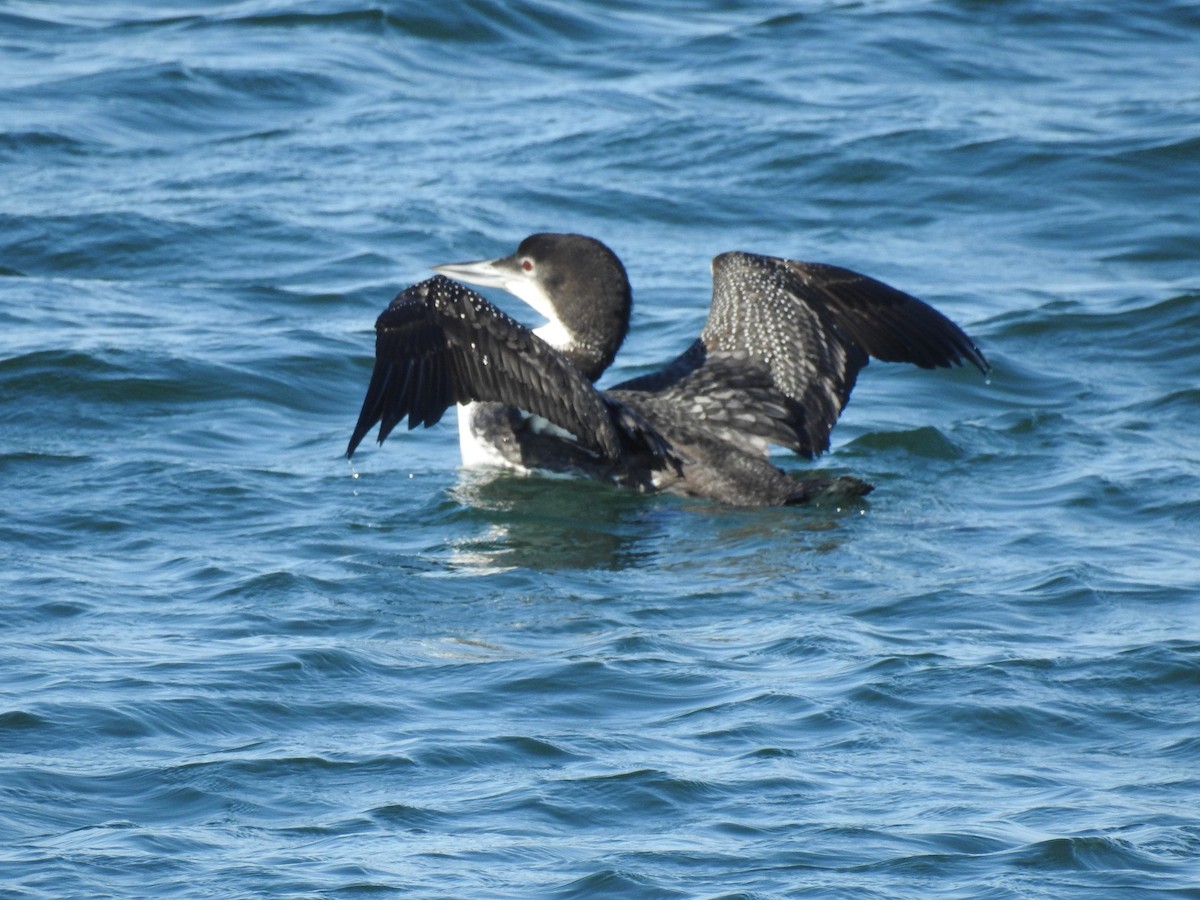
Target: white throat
[(555, 334)]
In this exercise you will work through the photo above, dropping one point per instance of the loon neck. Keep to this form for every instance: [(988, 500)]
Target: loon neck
[(589, 356)]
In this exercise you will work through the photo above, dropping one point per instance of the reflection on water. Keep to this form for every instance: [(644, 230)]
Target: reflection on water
[(548, 523), (554, 523)]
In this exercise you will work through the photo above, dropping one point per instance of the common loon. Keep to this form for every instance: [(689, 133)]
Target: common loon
[(774, 365)]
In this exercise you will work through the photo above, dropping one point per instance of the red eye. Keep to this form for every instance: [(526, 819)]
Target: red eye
[(527, 265)]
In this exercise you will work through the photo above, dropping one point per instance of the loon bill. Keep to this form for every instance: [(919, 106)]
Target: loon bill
[(774, 365)]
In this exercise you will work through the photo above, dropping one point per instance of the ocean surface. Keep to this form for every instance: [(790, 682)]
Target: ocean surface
[(234, 664)]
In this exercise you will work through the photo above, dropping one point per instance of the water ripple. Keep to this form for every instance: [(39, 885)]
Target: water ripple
[(238, 665)]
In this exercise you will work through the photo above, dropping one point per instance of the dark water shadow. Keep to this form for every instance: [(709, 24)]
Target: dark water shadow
[(546, 523)]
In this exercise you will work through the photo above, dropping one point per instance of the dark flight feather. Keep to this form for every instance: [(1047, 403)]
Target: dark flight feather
[(813, 327), (439, 343)]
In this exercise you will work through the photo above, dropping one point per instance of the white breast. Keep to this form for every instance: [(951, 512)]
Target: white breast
[(476, 445), (475, 450)]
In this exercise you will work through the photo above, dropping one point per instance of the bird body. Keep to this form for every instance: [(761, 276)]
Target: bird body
[(774, 365)]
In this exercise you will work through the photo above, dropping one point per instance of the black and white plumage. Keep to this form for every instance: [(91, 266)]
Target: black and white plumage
[(439, 343), (774, 365)]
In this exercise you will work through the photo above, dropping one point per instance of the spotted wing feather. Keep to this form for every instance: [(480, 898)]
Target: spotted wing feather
[(889, 324), (814, 327), (440, 343)]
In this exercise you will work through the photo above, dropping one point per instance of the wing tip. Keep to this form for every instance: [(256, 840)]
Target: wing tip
[(981, 362), (967, 351)]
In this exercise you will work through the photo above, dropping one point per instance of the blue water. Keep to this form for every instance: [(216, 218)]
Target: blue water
[(233, 664)]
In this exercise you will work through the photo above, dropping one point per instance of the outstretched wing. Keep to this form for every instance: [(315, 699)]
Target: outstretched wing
[(814, 327), (440, 343), (889, 324)]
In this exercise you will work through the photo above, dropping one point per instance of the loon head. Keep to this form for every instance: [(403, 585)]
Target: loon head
[(576, 282)]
